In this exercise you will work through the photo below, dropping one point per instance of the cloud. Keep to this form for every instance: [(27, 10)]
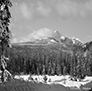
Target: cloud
[(25, 10), (39, 34), (43, 9), (25, 39), (14, 40), (68, 8)]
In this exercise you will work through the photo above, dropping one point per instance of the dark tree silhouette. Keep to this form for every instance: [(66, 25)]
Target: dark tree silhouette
[(5, 34)]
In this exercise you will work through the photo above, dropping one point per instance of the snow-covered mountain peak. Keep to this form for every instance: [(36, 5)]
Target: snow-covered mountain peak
[(76, 41), (62, 37)]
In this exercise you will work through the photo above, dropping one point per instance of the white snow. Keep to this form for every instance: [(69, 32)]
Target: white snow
[(63, 80), (62, 37), (76, 39), (24, 77)]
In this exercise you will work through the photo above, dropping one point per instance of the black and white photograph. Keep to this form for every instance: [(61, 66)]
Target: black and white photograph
[(45, 45)]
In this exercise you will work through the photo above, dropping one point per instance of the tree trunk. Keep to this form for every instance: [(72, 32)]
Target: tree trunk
[(3, 67)]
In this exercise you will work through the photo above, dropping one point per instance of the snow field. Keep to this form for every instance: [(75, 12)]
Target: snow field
[(62, 80)]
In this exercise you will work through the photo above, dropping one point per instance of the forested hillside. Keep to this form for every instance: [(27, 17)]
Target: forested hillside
[(39, 59), (51, 59)]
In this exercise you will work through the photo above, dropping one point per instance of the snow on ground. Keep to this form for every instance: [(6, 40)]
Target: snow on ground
[(24, 77), (63, 80)]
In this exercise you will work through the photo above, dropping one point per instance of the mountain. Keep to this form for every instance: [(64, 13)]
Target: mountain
[(61, 41), (66, 40), (87, 48), (57, 36), (57, 51), (77, 41), (55, 39), (70, 42)]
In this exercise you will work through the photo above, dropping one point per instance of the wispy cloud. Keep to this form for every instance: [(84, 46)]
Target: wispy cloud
[(39, 34), (26, 11), (14, 40), (43, 9), (74, 8), (63, 8)]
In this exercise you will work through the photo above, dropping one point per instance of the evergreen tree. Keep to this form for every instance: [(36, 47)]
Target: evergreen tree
[(5, 33)]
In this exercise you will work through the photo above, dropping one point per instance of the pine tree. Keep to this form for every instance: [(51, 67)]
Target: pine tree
[(5, 33)]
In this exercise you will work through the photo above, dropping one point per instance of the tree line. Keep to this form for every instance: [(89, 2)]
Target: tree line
[(51, 60)]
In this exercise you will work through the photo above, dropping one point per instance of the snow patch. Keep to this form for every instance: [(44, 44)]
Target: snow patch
[(62, 37), (76, 39), (62, 80)]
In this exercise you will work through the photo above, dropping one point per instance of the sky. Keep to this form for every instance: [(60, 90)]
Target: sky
[(36, 19)]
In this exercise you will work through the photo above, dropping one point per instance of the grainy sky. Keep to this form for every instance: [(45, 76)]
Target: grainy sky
[(33, 19)]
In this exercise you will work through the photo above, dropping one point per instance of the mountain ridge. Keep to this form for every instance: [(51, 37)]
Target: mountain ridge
[(61, 40), (55, 38)]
